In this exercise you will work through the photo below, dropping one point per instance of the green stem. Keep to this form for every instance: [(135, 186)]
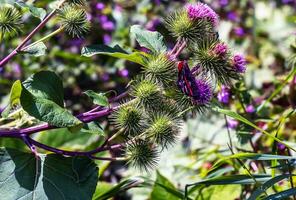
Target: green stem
[(45, 37), (116, 134)]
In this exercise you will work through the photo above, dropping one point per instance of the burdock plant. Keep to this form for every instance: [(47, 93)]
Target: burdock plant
[(148, 119)]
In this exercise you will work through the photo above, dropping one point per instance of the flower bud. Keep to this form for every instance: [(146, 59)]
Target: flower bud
[(142, 155), (128, 117), (163, 129), (161, 69), (10, 22), (74, 20)]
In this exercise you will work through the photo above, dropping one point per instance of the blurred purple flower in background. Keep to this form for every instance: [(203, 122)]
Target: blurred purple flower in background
[(152, 24), (100, 6), (239, 31), (105, 77), (250, 109), (123, 72), (231, 123), (224, 95), (107, 38), (232, 16), (223, 2)]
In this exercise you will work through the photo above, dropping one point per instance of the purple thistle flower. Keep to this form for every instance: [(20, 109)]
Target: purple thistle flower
[(202, 11), (224, 95), (202, 92), (239, 63), (220, 49)]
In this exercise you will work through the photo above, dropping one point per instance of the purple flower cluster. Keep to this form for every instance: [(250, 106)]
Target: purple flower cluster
[(202, 11), (224, 95), (220, 49), (239, 63)]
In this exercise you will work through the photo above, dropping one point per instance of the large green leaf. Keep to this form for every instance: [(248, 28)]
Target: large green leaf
[(109, 191), (46, 85), (245, 121), (47, 111), (163, 189), (52, 177), (116, 51), (150, 39)]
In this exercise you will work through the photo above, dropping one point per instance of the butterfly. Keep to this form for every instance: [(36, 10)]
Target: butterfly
[(186, 80)]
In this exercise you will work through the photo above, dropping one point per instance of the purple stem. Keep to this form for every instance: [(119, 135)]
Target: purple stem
[(41, 127), (74, 153), (23, 43)]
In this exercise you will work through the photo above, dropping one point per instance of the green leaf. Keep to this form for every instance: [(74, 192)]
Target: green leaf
[(36, 12), (282, 195), (109, 192), (163, 189), (261, 189), (93, 128), (234, 179), (22, 176), (46, 85), (38, 49), (116, 51), (244, 120), (98, 98), (253, 156), (47, 111), (150, 39), (14, 97)]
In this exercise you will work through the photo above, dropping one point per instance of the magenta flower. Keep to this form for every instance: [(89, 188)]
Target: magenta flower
[(231, 123), (224, 95), (220, 49), (100, 6), (202, 11), (250, 109), (239, 63), (108, 26), (123, 72), (239, 31), (107, 38)]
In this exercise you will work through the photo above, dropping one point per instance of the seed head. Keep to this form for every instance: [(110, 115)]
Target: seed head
[(10, 22)]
